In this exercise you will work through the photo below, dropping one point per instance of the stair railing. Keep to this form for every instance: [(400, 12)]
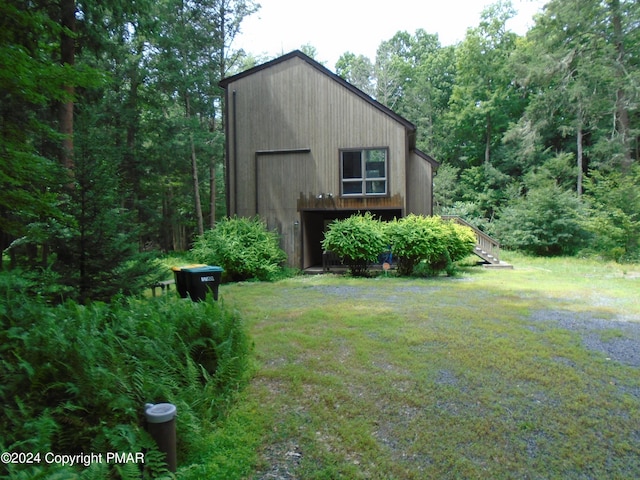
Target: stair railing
[(484, 242)]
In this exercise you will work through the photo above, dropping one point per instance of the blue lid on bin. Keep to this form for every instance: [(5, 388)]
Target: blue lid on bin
[(205, 269)]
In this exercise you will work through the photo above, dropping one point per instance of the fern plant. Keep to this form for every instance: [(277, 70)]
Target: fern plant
[(78, 376)]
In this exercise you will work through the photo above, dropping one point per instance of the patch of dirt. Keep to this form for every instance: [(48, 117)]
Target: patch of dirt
[(283, 459)]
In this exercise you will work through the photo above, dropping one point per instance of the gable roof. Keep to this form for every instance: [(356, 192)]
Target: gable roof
[(224, 83), (425, 156)]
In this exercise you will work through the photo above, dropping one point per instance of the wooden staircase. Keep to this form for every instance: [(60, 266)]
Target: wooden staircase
[(486, 248)]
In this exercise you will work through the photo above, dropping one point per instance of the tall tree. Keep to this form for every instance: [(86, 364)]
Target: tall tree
[(231, 14), (580, 77), (390, 68), (624, 21), (429, 73), (67, 59), (357, 70), (34, 81), (484, 99), (194, 53), (414, 75), (20, 66)]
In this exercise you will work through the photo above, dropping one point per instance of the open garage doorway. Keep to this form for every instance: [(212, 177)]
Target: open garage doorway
[(315, 223)]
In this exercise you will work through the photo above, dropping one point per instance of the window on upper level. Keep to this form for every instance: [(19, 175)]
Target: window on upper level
[(363, 172)]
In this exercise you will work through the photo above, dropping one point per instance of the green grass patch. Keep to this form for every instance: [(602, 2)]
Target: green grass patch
[(492, 374)]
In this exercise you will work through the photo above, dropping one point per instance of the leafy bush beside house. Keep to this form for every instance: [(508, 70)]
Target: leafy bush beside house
[(426, 246), (416, 238), (243, 247), (358, 239), (461, 241), (413, 239)]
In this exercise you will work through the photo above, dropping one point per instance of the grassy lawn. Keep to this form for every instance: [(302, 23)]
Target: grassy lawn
[(502, 374)]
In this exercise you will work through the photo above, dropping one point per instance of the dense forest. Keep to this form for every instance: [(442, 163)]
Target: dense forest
[(537, 135), (113, 142)]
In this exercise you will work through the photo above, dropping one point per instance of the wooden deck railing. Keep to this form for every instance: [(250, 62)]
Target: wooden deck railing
[(486, 247)]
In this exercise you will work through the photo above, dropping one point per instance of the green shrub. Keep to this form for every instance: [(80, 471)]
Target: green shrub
[(429, 241), (76, 378), (614, 215), (460, 242), (610, 230), (358, 240), (546, 221), (243, 247), (416, 238)]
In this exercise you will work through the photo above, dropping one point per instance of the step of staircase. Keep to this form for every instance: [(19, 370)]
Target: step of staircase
[(483, 241), (501, 264), (486, 256)]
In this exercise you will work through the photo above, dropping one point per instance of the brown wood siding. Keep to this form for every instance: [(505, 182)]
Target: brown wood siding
[(286, 125), (419, 185), (276, 203), (292, 105)]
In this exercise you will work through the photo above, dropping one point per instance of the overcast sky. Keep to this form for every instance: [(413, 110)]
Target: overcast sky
[(334, 27)]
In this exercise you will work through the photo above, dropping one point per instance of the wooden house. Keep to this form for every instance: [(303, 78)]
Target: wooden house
[(305, 147)]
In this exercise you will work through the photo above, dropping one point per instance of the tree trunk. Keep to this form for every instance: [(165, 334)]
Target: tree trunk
[(222, 71), (487, 146), (194, 173), (580, 160), (622, 114), (67, 57), (196, 187), (212, 192), (130, 159)]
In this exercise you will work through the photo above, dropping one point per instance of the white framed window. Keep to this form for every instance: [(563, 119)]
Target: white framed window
[(363, 172)]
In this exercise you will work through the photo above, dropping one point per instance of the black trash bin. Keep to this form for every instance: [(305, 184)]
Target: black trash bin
[(182, 279), (201, 280)]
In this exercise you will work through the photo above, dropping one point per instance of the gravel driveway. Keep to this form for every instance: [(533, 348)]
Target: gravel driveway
[(614, 337), (617, 338)]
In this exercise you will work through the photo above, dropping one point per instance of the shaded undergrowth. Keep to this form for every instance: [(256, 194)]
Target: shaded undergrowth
[(75, 379)]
